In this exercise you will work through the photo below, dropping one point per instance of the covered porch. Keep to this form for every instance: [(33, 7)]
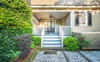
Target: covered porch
[(52, 23), (52, 27)]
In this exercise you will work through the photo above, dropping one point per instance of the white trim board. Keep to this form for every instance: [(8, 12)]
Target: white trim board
[(64, 6), (58, 10)]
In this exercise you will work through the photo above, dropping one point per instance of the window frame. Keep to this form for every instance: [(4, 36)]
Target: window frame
[(84, 18)]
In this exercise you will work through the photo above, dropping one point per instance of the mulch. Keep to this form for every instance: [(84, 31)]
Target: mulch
[(24, 59)]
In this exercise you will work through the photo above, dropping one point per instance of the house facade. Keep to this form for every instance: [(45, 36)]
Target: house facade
[(54, 20)]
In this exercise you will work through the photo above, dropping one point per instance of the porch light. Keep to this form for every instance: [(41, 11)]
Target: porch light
[(51, 17)]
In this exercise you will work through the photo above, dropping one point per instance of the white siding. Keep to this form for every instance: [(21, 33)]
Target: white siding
[(67, 20)]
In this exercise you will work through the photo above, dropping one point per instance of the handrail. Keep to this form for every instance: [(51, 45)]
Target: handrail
[(69, 32), (62, 33), (37, 30), (62, 37), (42, 35)]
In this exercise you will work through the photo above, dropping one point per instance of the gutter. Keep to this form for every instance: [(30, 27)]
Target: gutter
[(66, 7)]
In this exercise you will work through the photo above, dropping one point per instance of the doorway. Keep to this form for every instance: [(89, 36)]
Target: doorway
[(50, 27)]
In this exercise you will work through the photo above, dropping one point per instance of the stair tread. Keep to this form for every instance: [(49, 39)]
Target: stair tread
[(51, 40), (51, 46), (51, 36), (52, 43)]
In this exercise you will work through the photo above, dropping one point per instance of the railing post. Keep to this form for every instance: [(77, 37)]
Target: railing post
[(61, 35), (62, 38), (71, 31), (60, 30), (42, 35)]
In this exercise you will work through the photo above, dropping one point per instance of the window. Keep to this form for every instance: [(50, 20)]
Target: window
[(83, 19), (89, 19)]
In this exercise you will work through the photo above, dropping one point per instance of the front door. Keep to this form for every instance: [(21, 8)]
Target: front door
[(50, 27)]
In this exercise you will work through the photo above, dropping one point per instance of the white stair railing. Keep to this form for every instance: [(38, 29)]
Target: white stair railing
[(61, 35), (42, 36), (37, 30), (65, 30)]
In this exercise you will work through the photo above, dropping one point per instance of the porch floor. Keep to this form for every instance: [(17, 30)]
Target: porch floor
[(52, 34)]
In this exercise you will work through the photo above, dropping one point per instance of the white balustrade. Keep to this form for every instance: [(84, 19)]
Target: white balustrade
[(61, 35), (65, 31), (42, 35), (39, 31)]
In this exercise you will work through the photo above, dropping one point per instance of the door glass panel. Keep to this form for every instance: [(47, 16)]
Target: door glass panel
[(50, 27), (53, 24)]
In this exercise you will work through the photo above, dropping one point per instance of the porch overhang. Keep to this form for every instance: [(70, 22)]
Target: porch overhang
[(65, 7)]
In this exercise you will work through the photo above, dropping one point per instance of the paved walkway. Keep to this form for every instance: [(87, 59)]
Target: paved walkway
[(94, 56), (68, 56), (58, 57), (75, 57)]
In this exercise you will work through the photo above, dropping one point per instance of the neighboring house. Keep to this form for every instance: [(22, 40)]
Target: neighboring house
[(55, 19)]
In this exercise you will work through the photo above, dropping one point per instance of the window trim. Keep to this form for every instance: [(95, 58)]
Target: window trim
[(86, 18)]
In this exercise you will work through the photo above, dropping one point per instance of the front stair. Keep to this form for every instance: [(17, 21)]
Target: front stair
[(52, 41)]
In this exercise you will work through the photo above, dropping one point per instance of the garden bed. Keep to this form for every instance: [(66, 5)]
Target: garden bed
[(30, 56)]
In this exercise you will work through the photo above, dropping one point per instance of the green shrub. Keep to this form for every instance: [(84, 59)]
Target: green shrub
[(32, 45), (15, 20), (14, 54), (37, 40), (83, 41), (71, 43)]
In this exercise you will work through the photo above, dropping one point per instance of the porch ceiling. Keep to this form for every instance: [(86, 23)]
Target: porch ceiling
[(55, 15)]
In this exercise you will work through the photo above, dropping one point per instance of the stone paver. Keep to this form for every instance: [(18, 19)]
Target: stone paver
[(41, 57), (94, 56), (75, 57)]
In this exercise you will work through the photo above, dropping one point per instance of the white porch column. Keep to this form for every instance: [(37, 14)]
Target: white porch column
[(72, 18), (86, 18)]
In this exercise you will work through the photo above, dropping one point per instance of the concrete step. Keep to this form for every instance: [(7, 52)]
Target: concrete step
[(52, 43), (52, 37), (51, 40), (52, 34), (53, 46)]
